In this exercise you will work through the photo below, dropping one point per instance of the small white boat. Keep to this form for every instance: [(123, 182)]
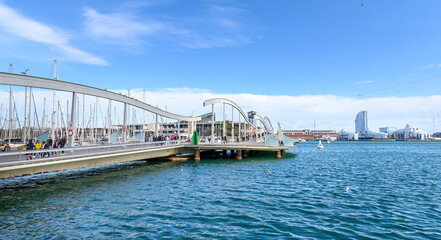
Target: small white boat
[(320, 146), (328, 141)]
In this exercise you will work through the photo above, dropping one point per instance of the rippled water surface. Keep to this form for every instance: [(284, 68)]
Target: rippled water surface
[(394, 193)]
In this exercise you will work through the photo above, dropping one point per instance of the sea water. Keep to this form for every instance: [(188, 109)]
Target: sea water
[(348, 190)]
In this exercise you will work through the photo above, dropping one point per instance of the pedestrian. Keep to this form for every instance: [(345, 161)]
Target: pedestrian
[(29, 146), (49, 142), (38, 145), (62, 143), (56, 142), (7, 148), (47, 145)]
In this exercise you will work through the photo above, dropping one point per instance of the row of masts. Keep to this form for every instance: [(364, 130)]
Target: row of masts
[(88, 132)]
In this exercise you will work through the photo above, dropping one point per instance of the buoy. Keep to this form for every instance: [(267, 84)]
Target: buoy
[(320, 146), (347, 188)]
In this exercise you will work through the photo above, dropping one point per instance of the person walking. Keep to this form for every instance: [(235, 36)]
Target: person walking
[(29, 146), (62, 143)]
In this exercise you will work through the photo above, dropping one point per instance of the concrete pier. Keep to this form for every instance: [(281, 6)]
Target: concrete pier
[(278, 154)]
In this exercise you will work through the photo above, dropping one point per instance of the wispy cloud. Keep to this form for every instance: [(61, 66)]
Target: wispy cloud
[(16, 24), (364, 82), (432, 66), (218, 27), (122, 28), (216, 42)]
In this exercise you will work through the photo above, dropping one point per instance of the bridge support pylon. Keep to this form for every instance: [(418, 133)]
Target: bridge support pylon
[(239, 154), (197, 154), (278, 154), (245, 153)]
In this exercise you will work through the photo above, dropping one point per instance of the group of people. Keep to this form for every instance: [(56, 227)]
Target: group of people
[(164, 138), (49, 143)]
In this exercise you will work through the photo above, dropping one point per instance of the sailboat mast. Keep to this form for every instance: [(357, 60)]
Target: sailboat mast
[(53, 103), (84, 107), (10, 108), (29, 118), (25, 116), (143, 116), (109, 118), (44, 114)]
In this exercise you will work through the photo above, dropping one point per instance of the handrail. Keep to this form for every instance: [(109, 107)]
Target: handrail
[(46, 83), (75, 151)]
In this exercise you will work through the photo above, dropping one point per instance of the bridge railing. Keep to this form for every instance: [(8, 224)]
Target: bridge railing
[(54, 154)]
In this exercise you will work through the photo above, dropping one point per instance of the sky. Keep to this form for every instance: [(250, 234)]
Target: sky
[(293, 61)]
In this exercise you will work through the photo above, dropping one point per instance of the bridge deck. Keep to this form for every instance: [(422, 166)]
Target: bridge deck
[(13, 164), (240, 146)]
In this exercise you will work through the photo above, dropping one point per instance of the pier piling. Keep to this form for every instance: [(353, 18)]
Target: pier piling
[(239, 154), (197, 155)]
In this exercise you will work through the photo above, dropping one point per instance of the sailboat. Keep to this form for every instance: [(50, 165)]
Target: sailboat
[(320, 146)]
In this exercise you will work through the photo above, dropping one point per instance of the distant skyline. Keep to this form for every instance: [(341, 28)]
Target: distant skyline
[(379, 56)]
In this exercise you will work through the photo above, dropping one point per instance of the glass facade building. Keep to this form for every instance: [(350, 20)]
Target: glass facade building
[(361, 123)]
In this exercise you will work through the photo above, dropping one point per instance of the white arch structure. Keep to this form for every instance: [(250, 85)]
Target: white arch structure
[(266, 122), (224, 101), (268, 127), (46, 83)]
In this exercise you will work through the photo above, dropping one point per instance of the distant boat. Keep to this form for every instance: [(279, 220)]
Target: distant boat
[(320, 146), (328, 141)]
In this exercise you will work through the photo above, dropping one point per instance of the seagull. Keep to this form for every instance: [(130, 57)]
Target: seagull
[(347, 188)]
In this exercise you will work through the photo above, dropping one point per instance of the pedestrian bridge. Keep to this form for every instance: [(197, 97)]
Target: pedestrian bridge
[(15, 163)]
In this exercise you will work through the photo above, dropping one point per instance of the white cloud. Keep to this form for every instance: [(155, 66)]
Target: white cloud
[(293, 112), (126, 29), (21, 26), (364, 82), (432, 66), (299, 112)]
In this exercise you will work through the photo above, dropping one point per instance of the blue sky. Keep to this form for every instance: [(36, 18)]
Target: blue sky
[(262, 47), (350, 49)]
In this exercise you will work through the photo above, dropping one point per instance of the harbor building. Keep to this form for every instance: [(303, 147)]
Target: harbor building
[(361, 122), (388, 130), (410, 132), (308, 134), (347, 135), (437, 135)]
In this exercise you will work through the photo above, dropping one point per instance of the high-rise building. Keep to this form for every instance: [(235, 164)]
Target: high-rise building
[(361, 122)]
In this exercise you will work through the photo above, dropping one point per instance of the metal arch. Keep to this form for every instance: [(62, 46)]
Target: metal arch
[(46, 83), (229, 102), (268, 129), (267, 120)]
